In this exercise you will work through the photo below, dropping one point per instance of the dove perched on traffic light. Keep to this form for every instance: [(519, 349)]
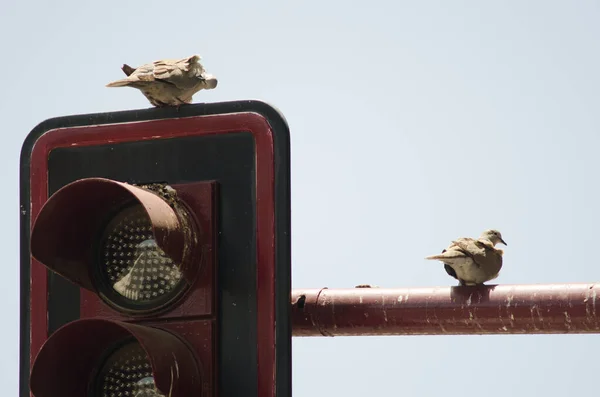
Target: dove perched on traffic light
[(169, 82), (473, 261)]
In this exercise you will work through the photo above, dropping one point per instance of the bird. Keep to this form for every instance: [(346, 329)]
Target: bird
[(168, 82), (473, 261)]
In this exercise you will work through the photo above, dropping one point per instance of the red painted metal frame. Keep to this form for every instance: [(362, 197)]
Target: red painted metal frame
[(495, 309), (165, 129)]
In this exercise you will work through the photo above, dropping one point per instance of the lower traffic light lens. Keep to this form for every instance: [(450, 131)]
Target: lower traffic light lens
[(136, 273), (105, 358), (126, 372)]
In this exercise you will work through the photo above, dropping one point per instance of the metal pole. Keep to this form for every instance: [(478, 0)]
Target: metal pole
[(495, 309)]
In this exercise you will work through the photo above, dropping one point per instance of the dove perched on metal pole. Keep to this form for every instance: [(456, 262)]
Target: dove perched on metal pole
[(473, 261), (169, 82)]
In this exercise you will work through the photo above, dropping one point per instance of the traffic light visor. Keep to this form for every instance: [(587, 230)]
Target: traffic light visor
[(130, 245), (103, 358)]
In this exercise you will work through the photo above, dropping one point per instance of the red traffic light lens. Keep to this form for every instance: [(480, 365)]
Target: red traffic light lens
[(132, 270)]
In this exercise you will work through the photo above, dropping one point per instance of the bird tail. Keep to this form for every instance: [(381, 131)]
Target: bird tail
[(446, 255), (119, 83), (435, 257)]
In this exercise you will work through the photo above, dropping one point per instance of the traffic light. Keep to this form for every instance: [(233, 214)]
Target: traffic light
[(155, 254)]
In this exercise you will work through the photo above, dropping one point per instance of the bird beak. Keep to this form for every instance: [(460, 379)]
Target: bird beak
[(503, 242)]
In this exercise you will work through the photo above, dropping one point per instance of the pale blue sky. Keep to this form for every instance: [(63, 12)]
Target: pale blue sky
[(412, 123)]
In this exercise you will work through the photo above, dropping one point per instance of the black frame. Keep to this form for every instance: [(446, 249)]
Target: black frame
[(61, 292)]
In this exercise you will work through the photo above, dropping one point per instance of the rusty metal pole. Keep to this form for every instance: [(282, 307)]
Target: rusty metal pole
[(496, 309)]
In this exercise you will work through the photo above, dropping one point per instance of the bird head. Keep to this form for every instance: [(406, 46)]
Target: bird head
[(210, 81), (493, 236)]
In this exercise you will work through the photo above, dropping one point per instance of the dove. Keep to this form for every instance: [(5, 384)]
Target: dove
[(169, 82), (473, 261)]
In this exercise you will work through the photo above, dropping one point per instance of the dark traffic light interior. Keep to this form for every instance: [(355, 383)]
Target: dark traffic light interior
[(184, 160)]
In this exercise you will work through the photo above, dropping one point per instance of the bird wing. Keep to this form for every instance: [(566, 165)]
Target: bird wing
[(165, 69), (180, 72), (483, 252), (461, 247), (136, 77), (470, 246)]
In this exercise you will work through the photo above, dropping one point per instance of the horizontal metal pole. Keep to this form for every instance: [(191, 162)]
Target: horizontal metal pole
[(494, 309)]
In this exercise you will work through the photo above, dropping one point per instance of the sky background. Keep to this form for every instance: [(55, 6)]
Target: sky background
[(412, 123)]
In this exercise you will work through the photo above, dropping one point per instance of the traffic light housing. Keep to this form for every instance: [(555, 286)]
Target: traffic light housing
[(155, 253)]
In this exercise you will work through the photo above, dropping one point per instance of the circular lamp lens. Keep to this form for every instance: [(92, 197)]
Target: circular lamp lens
[(126, 373), (135, 273)]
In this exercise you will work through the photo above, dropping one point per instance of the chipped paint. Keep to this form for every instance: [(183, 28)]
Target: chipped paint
[(539, 314), (475, 320), (588, 311), (567, 320), (594, 302)]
